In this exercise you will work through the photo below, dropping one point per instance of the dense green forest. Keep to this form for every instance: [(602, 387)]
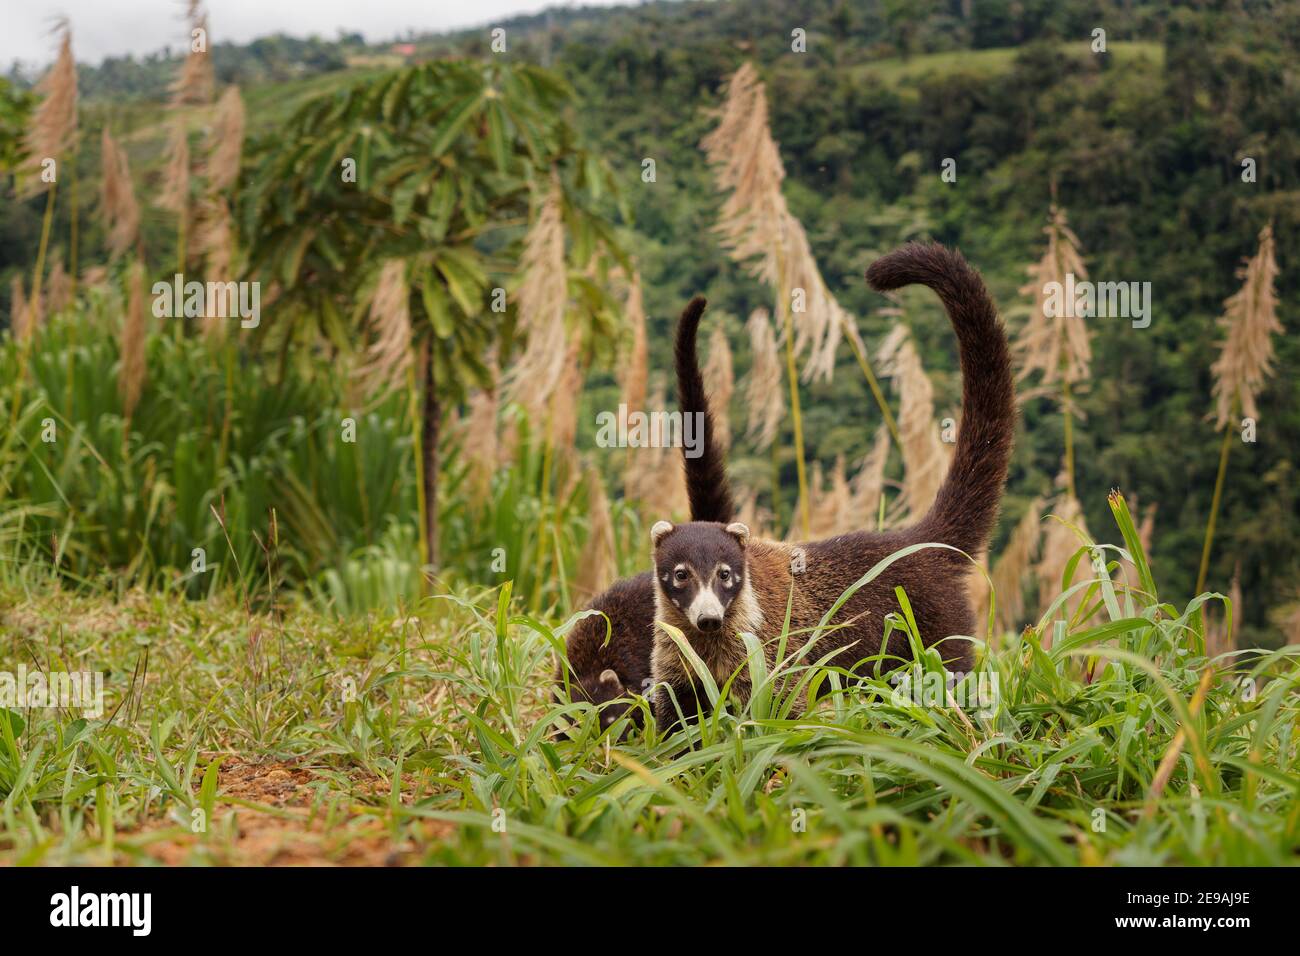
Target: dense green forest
[(1142, 147)]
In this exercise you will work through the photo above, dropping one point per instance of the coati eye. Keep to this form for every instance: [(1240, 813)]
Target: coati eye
[(725, 575), (680, 575)]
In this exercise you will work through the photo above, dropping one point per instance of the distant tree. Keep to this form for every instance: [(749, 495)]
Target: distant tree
[(15, 108), (405, 199), (906, 19)]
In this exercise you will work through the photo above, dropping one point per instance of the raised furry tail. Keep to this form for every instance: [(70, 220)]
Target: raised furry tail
[(966, 508), (706, 476)]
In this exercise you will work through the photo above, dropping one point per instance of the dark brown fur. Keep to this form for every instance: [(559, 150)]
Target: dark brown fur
[(602, 670), (706, 476), (963, 516)]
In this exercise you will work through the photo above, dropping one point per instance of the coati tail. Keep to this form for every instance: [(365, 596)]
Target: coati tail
[(706, 475), (966, 508)]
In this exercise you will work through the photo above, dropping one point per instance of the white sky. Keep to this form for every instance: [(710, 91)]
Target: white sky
[(115, 27)]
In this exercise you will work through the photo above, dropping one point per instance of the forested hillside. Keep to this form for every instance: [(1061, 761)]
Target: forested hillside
[(1142, 146)]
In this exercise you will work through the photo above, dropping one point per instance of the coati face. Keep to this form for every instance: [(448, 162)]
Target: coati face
[(700, 569), (600, 689)]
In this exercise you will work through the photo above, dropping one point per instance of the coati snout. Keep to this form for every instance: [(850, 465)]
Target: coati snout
[(700, 570)]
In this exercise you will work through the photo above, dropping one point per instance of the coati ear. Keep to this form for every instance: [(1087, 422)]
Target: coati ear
[(660, 529), (739, 531), (609, 681)]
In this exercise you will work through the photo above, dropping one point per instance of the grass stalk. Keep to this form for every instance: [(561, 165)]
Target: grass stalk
[(776, 483), (75, 231), (181, 230), (1069, 436), (1214, 510), (793, 375), (44, 246), (873, 384), (224, 448), (26, 350), (413, 395), (72, 278), (543, 499)]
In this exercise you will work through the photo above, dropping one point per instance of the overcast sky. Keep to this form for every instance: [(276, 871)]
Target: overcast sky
[(103, 28)]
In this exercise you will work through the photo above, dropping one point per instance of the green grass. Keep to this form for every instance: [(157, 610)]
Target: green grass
[(201, 463), (209, 460), (446, 752), (896, 71)]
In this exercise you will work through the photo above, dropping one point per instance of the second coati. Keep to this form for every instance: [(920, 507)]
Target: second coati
[(714, 581), (602, 670)]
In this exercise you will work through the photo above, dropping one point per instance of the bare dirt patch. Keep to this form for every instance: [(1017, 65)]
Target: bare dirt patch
[(279, 814)]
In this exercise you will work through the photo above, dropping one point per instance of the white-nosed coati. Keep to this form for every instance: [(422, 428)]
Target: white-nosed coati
[(714, 581), (600, 670)]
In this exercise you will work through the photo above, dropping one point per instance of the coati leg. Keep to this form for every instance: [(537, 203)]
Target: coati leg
[(689, 699)]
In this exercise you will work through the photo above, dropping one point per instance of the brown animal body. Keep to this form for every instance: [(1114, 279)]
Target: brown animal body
[(609, 653), (713, 581), (611, 661)]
